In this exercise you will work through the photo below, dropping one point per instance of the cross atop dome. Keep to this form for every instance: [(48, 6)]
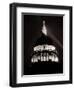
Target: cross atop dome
[(44, 30)]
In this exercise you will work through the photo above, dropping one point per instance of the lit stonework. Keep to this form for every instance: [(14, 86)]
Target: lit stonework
[(44, 47), (44, 51)]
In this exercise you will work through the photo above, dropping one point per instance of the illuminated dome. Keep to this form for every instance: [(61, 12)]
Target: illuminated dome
[(44, 50)]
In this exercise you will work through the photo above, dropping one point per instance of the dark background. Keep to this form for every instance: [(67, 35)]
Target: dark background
[(32, 26)]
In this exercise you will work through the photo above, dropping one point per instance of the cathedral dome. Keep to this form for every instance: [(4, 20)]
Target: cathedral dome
[(44, 50)]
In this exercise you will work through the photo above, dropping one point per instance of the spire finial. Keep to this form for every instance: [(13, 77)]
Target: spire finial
[(43, 22), (44, 30)]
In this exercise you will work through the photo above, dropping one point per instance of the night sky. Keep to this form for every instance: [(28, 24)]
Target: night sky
[(31, 31)]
